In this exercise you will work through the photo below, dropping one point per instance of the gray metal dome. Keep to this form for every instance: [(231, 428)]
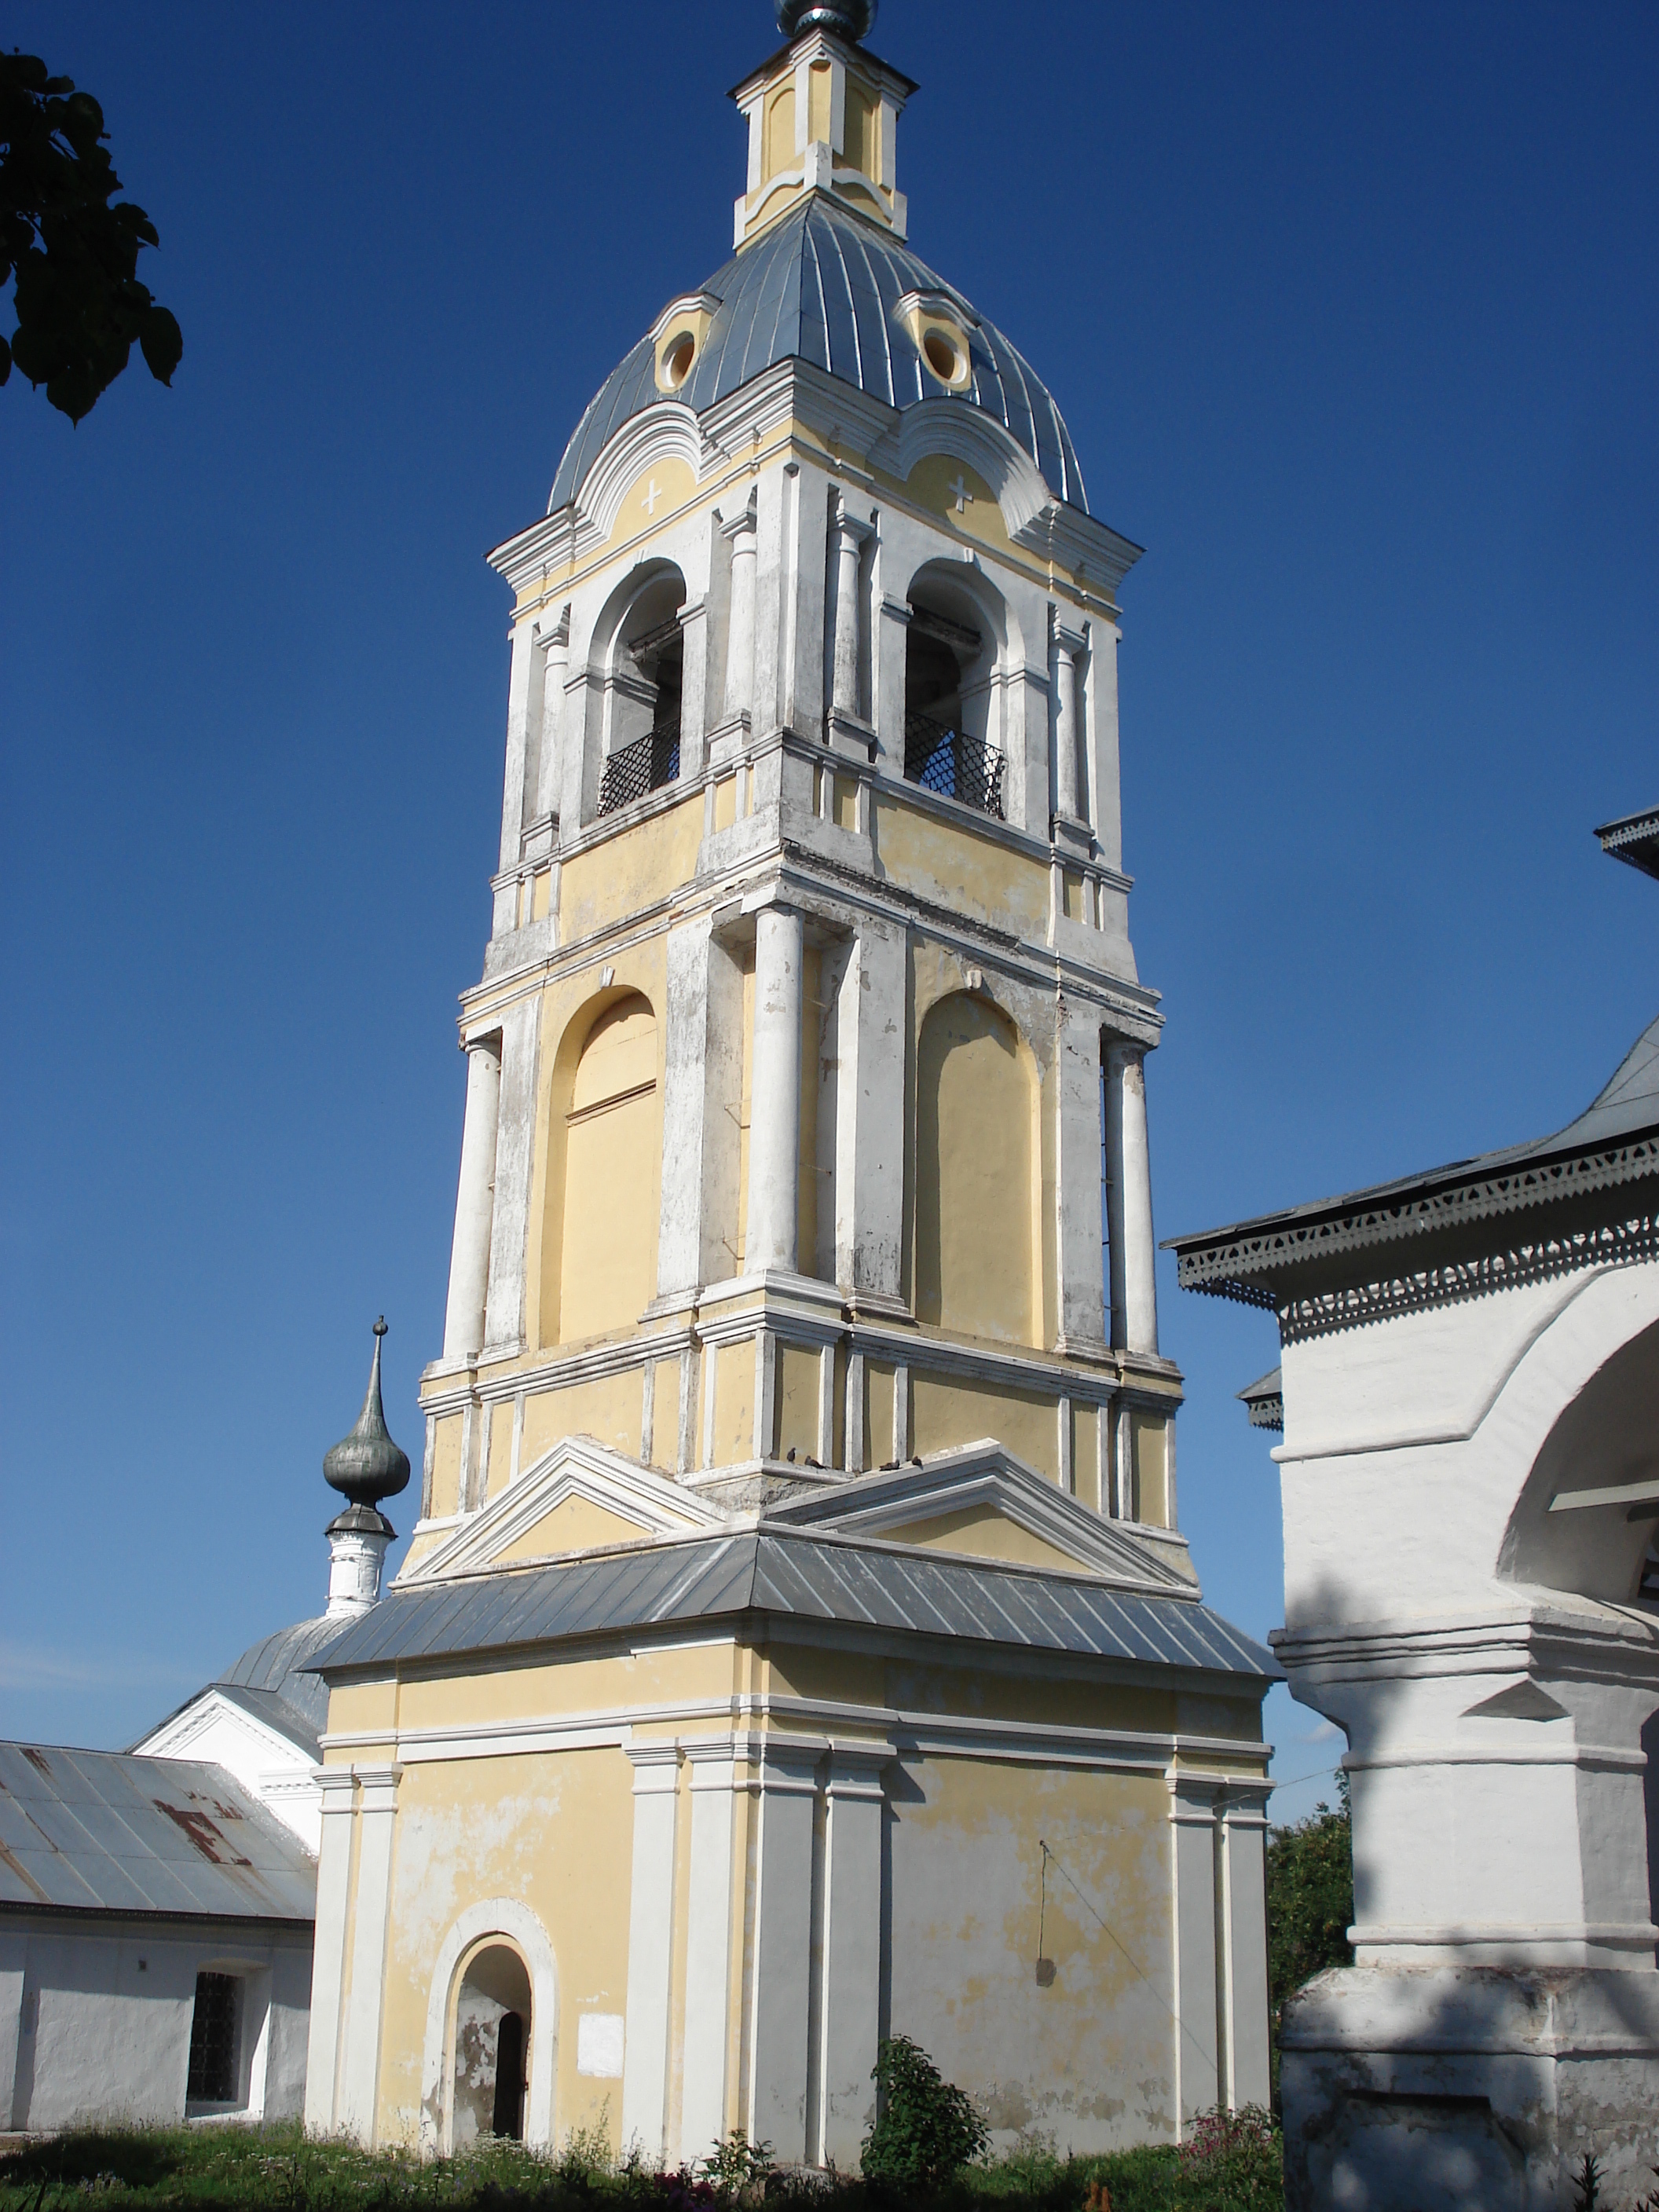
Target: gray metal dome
[(824, 287)]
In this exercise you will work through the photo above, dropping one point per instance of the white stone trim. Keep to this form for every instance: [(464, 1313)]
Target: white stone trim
[(650, 1948)]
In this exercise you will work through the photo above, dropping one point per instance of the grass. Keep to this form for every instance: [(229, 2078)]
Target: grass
[(279, 2167)]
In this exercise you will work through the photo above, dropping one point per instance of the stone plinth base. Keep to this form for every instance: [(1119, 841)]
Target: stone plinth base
[(1468, 2088)]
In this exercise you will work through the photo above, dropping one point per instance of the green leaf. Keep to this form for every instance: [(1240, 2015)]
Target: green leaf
[(163, 344)]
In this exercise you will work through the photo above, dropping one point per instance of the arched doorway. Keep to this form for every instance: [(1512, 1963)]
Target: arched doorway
[(492, 2067)]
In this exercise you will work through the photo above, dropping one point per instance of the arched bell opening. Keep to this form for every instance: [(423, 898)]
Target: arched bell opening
[(490, 2071), (645, 666), (950, 693)]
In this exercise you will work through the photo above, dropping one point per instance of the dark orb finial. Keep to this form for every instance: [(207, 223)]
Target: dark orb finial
[(851, 20), (366, 1465)]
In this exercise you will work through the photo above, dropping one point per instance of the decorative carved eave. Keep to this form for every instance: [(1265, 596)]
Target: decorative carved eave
[(1590, 1192), (1634, 839)]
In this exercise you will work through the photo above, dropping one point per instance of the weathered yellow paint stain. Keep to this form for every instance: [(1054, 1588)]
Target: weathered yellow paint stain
[(879, 1380), (613, 880), (962, 868), (612, 1146), (725, 802), (847, 802), (501, 1448), (608, 1408), (575, 1524), (983, 1534), (976, 1141), (734, 1402), (529, 1688), (665, 1413), (798, 1371), (1150, 1435), (946, 1411), (446, 1466), (1085, 1457), (1072, 894)]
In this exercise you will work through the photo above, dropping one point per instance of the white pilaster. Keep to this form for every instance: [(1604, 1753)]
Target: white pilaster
[(1068, 645), (848, 535), (1244, 1912), (1192, 1815), (338, 1786), (355, 1557), (1101, 742), (1134, 1285), (518, 739), (851, 2021), (708, 1950), (549, 769), (781, 2001), (740, 535), (14, 1952), (774, 1107), (650, 1946), (469, 1259), (360, 2069), (686, 1106), (515, 1136), (1078, 1191), (870, 1115)]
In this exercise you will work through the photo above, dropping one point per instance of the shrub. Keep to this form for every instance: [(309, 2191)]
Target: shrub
[(926, 2130)]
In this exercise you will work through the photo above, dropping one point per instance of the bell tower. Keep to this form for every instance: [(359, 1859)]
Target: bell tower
[(806, 1130)]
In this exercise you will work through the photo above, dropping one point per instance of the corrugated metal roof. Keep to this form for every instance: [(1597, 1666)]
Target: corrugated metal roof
[(802, 1577), (107, 1829), (1616, 1138), (824, 288)]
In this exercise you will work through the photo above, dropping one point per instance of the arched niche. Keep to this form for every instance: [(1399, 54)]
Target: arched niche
[(1605, 1438), (495, 1955), (956, 646), (977, 1231), (495, 2018), (607, 1136)]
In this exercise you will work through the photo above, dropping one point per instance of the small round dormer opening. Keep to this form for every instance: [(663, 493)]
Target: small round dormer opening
[(677, 356), (944, 356)]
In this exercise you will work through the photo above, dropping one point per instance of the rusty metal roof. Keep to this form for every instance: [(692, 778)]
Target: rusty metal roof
[(107, 1830)]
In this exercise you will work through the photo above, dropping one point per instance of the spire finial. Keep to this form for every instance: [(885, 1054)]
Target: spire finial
[(366, 1465), (852, 20)]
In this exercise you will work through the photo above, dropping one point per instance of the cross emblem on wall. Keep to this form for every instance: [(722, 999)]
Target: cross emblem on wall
[(649, 502), (960, 493)]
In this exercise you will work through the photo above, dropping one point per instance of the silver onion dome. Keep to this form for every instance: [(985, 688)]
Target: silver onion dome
[(366, 1465), (851, 20)]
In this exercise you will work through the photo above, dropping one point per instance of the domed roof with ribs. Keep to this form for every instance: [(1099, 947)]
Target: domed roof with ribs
[(823, 286)]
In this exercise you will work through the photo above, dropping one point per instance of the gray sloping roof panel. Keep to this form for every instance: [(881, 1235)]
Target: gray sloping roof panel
[(800, 1576), (823, 286), (277, 1663), (90, 1830), (1623, 1118)]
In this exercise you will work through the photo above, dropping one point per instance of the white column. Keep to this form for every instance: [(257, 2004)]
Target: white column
[(475, 1202), (1134, 1284), (851, 2023), (844, 666), (14, 1952), (1077, 1150), (739, 533), (870, 1118), (1244, 1907), (549, 767), (360, 2071), (1068, 644), (782, 1997), (708, 1950), (355, 1557), (650, 1946), (1192, 1815), (774, 1100), (515, 1137), (338, 1786)]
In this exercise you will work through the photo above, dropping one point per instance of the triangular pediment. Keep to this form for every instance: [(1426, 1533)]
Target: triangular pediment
[(578, 1497), (980, 1502)]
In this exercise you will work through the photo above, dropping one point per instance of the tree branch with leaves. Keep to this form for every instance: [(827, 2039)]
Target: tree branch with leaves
[(69, 247)]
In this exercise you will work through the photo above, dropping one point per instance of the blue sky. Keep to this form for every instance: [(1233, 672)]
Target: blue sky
[(1353, 312)]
